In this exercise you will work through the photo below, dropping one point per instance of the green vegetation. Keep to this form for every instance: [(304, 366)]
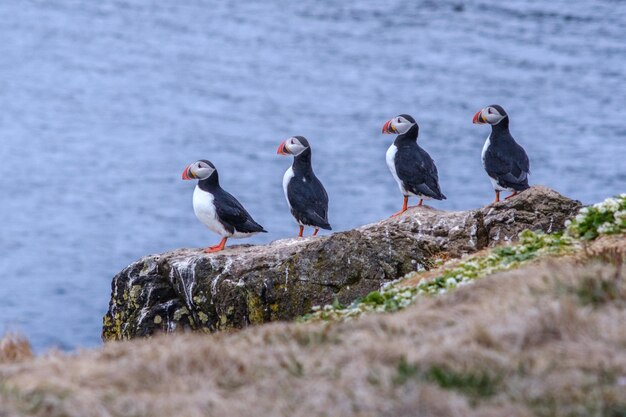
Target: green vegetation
[(597, 290), (405, 371), (474, 385), (608, 217), (470, 384), (397, 295), (605, 218)]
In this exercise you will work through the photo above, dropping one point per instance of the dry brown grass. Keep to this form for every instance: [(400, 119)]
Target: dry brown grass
[(547, 340), (14, 348)]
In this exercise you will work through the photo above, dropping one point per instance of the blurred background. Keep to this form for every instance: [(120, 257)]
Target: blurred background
[(104, 103)]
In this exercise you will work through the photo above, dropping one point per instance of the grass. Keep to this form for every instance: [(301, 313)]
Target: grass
[(514, 343), (605, 218), (14, 348), (536, 333), (597, 291), (401, 294), (473, 385)]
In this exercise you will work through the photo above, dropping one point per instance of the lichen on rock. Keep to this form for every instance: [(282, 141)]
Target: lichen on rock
[(247, 284)]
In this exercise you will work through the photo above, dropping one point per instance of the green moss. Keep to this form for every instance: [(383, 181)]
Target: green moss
[(597, 290), (199, 299), (133, 296), (112, 328), (375, 297), (404, 372), (337, 304), (472, 384), (475, 385), (255, 308), (531, 245), (178, 314), (204, 318)]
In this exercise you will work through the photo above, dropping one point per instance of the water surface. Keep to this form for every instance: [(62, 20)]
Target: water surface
[(104, 103)]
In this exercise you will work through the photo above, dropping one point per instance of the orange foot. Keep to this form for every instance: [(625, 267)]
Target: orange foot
[(316, 230), (404, 207), (216, 248), (512, 195), (398, 213), (301, 231)]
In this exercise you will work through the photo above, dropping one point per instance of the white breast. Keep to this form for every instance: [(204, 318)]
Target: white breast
[(485, 146), (497, 186), (204, 208), (286, 178), (391, 155)]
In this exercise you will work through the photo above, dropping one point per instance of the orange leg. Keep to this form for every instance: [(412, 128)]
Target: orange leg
[(417, 205), (301, 231), (315, 231), (497, 200), (218, 247), (512, 195), (406, 201)]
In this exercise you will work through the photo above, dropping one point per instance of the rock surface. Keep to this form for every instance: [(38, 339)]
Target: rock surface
[(242, 285)]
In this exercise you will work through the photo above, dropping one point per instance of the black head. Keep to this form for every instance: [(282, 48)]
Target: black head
[(493, 115), (295, 146), (199, 170), (408, 117), (400, 124)]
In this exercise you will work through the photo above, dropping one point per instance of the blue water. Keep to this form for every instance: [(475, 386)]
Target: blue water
[(102, 105)]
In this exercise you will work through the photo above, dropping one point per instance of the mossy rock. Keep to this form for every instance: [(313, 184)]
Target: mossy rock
[(244, 285)]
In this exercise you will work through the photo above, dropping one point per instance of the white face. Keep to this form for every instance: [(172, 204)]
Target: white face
[(399, 125), (402, 125), (294, 146), (201, 170), (491, 115)]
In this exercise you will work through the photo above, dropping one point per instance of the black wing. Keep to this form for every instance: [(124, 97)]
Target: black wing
[(233, 216), (309, 201), (508, 164), (417, 170)]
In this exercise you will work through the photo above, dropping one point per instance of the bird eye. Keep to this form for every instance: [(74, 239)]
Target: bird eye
[(399, 120), (489, 111)]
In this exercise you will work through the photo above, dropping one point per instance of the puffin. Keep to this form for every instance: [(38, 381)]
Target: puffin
[(411, 166), (504, 159), (305, 194), (216, 208)]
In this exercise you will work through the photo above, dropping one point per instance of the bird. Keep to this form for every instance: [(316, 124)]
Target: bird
[(216, 208), (411, 166), (505, 161), (305, 194)]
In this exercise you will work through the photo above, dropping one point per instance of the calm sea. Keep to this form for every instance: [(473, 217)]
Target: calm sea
[(103, 103)]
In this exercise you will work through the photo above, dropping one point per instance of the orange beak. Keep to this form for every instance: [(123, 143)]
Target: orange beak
[(478, 118), (187, 174), (388, 127), (281, 149)]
